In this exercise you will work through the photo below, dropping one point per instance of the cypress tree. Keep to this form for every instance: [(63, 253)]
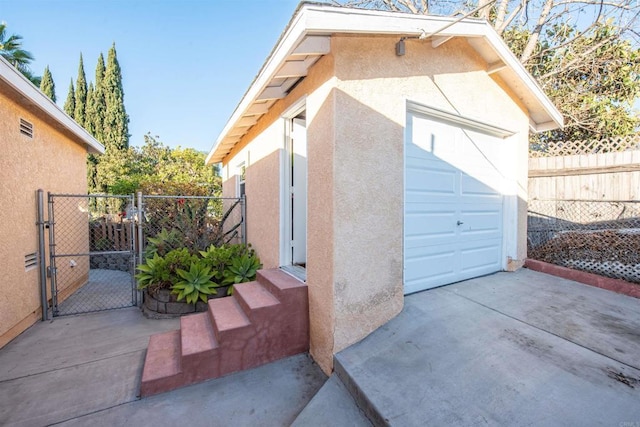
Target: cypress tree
[(89, 125), (70, 103), (89, 112), (81, 95), (47, 86), (99, 103), (116, 120)]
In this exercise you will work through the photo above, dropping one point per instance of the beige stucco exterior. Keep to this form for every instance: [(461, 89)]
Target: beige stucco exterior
[(53, 160), (356, 108)]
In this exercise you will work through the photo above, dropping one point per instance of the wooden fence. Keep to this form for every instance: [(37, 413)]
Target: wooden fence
[(598, 176), (108, 235)]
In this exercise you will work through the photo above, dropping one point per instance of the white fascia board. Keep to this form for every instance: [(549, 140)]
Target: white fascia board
[(512, 62), (289, 40), (22, 85), (326, 20)]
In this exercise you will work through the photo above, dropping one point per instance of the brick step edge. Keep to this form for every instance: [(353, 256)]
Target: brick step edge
[(591, 279)]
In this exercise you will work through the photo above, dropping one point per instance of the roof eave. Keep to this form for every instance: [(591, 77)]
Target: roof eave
[(22, 85), (314, 19)]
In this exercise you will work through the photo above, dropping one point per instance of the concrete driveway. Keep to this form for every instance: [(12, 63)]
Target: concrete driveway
[(510, 349)]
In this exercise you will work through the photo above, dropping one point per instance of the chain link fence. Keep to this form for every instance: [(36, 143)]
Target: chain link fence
[(92, 253), (601, 237), (194, 222), (95, 242)]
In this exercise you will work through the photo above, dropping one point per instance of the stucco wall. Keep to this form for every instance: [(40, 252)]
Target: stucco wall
[(50, 161), (262, 152), (356, 100)]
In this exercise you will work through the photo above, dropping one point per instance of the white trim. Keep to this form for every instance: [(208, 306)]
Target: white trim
[(22, 85), (285, 178), (456, 119), (312, 24), (510, 227)]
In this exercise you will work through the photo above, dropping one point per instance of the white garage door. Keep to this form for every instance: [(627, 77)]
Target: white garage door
[(453, 207)]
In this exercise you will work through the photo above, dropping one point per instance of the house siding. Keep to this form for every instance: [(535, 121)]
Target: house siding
[(356, 115), (51, 161)]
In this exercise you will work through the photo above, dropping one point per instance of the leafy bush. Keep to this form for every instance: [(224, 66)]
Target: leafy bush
[(154, 274), (195, 284), (163, 242), (194, 277)]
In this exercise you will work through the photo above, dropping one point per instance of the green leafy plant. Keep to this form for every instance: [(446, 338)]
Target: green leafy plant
[(163, 242), (195, 285), (218, 258), (179, 259), (242, 269), (194, 277), (154, 274)]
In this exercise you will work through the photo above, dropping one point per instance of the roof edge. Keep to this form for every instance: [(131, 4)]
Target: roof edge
[(22, 85), (308, 20)]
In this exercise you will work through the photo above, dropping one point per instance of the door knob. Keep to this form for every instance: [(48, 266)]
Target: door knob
[(460, 223)]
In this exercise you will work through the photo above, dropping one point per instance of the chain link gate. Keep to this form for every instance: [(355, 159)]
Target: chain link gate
[(92, 258)]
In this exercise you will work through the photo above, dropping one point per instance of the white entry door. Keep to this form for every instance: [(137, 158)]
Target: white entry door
[(453, 204), (298, 185)]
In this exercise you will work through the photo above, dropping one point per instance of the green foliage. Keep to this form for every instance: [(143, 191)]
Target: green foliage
[(195, 285), (113, 166), (11, 50), (98, 106), (154, 274), (196, 276), (584, 55), (103, 244), (160, 272), (163, 242), (596, 96), (242, 269), (80, 95), (116, 120), (157, 169), (177, 259), (89, 112), (70, 103), (47, 86), (219, 258)]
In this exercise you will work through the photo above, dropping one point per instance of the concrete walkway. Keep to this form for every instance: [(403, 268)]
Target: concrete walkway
[(85, 370), (510, 349)]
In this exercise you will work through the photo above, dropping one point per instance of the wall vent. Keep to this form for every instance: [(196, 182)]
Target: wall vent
[(30, 261), (26, 128)]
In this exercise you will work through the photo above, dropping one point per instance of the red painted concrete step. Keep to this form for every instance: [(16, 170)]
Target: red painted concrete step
[(263, 321), (279, 283), (227, 317), (254, 299), (162, 366)]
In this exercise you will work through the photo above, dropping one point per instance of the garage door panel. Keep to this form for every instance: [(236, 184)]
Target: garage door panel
[(453, 214), (481, 223), (424, 269), (441, 184), (430, 227), (480, 259), (471, 186)]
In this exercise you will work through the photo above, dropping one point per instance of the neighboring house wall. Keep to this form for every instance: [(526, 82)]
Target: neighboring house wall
[(52, 161), (356, 101)]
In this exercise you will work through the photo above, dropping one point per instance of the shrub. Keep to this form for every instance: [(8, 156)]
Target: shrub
[(194, 277)]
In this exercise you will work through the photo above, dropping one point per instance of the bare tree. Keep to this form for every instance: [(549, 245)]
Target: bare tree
[(584, 53)]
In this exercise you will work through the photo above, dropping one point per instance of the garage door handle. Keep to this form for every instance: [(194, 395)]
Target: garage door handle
[(460, 222)]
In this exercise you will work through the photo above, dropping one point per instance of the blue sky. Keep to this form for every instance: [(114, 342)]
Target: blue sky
[(185, 64)]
